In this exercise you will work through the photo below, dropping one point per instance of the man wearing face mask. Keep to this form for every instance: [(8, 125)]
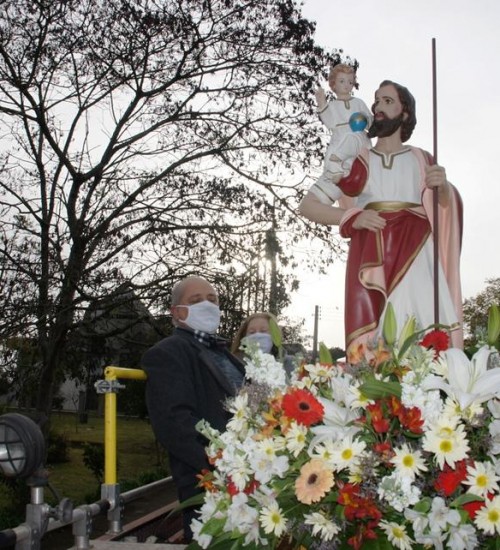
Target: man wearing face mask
[(190, 375)]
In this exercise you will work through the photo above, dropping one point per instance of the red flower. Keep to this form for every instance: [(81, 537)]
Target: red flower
[(250, 487), (411, 419), (449, 478), (395, 405), (357, 506), (436, 340), (472, 508), (302, 406), (232, 489), (360, 510), (348, 494), (384, 450), (379, 423)]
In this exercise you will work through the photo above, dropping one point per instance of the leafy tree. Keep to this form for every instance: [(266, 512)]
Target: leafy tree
[(476, 311), (143, 140), (337, 353), (293, 331)]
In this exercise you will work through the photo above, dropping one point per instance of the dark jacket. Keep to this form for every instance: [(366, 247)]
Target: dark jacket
[(184, 386)]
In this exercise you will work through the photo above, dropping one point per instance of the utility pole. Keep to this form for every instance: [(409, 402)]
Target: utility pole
[(315, 336)]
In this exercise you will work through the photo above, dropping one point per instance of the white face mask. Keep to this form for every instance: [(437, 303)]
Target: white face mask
[(263, 339), (204, 316)]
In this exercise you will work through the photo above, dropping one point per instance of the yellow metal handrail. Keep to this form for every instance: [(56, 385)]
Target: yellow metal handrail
[(111, 374)]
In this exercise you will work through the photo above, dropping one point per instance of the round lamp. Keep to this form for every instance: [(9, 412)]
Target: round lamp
[(22, 445)]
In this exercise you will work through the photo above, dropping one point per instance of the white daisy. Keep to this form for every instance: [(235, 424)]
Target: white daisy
[(482, 479), (319, 373), (239, 409), (305, 383), (355, 474), (470, 413), (396, 534), (324, 451), (488, 518), (295, 438), (358, 399), (446, 444), (346, 453), (408, 463), (440, 366), (272, 520), (321, 525)]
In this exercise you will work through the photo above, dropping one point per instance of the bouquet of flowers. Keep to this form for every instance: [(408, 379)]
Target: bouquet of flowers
[(398, 448)]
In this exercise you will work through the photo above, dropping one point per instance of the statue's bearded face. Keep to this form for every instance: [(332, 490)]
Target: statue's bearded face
[(383, 126), (388, 112)]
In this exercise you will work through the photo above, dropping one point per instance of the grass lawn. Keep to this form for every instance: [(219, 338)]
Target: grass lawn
[(136, 450)]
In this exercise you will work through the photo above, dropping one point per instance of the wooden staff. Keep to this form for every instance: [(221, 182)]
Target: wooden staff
[(435, 190)]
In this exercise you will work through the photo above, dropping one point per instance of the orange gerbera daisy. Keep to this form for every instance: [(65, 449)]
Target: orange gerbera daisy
[(303, 407), (315, 480)]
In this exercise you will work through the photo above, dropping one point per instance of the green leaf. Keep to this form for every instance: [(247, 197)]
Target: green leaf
[(493, 325), (407, 331), (408, 343), (465, 498), (325, 357), (423, 505), (214, 526), (195, 500), (227, 542), (491, 543), (408, 337), (390, 326), (380, 543), (275, 332), (377, 389)]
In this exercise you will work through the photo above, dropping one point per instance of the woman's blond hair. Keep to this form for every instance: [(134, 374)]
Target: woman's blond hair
[(242, 331)]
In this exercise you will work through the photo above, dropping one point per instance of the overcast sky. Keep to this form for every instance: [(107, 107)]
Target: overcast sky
[(392, 39)]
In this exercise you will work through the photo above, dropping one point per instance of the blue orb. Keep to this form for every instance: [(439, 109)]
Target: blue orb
[(358, 122)]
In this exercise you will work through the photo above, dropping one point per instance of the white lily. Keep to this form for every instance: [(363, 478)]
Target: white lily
[(337, 423), (469, 381)]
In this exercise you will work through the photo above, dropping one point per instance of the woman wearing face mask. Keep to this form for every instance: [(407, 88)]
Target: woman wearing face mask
[(256, 328)]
